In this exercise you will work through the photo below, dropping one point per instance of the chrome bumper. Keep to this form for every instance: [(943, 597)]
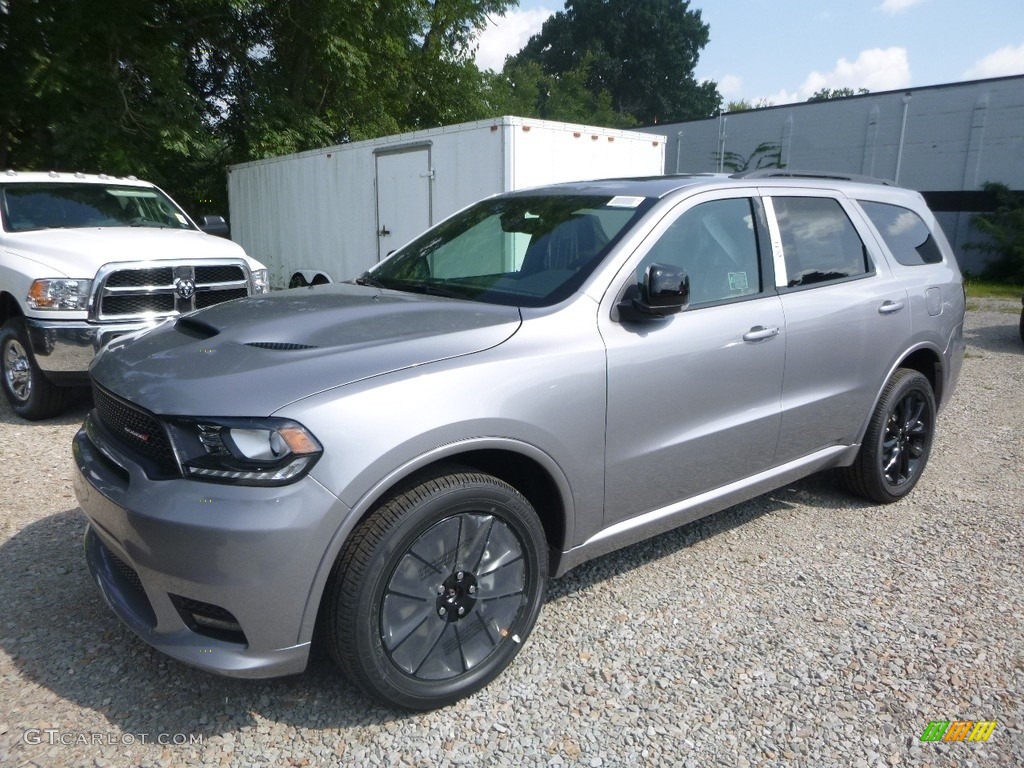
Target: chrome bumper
[(68, 346)]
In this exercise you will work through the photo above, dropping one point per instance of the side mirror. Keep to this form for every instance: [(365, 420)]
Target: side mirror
[(663, 291), (215, 225)]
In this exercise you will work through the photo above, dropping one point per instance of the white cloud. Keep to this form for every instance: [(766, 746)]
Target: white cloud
[(730, 85), (506, 35), (1005, 61), (892, 7), (876, 69)]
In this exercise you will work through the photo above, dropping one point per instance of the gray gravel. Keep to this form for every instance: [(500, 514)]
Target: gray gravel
[(804, 628)]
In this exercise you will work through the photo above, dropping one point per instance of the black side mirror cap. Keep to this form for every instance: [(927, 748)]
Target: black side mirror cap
[(664, 291), (214, 225)]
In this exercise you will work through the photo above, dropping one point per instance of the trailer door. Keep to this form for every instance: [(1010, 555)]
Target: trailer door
[(404, 201)]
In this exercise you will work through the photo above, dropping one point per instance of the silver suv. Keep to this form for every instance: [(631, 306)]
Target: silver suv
[(402, 461)]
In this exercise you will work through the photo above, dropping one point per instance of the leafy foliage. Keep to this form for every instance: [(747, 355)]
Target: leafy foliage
[(642, 55), (176, 90), (827, 94), (1004, 230)]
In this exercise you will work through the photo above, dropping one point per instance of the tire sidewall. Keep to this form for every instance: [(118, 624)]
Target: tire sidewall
[(907, 383), (475, 495)]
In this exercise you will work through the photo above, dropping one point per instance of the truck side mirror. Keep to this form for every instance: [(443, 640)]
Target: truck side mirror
[(215, 225)]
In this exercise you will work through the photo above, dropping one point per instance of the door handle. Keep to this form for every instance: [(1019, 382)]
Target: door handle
[(890, 307), (760, 333)]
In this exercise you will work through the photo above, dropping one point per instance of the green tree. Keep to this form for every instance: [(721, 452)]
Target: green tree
[(174, 90), (525, 89), (1003, 229), (743, 105), (643, 55), (827, 94)]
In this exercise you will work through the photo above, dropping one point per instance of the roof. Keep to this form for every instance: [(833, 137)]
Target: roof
[(648, 186), (660, 186), (18, 177)]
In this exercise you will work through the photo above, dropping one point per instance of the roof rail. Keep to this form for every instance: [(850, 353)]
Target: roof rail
[(782, 173)]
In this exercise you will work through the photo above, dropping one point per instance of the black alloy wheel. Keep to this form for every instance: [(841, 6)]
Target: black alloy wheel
[(898, 440), (437, 589)]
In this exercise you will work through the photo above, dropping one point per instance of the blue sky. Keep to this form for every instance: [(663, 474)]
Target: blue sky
[(785, 50)]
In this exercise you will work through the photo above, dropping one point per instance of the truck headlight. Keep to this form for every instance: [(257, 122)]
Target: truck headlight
[(260, 281), (245, 451), (59, 293)]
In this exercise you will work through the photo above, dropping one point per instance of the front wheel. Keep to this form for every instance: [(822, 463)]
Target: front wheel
[(437, 589), (31, 395), (898, 440)]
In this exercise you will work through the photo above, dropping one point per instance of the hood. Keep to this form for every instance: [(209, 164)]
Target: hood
[(79, 253), (251, 357)]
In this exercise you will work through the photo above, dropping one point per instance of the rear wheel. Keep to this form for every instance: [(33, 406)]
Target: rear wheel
[(898, 440), (437, 589), (31, 395)]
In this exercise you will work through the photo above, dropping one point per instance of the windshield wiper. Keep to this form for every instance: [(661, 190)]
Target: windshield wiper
[(369, 281), (432, 289)]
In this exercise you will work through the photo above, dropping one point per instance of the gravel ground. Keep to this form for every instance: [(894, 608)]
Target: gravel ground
[(804, 628)]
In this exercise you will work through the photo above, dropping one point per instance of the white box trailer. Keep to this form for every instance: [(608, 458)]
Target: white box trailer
[(330, 214)]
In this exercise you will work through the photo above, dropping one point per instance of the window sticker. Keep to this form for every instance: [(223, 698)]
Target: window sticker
[(180, 218), (625, 201), (738, 281)]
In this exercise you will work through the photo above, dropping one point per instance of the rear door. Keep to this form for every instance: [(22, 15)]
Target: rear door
[(694, 399), (847, 319), (403, 196)]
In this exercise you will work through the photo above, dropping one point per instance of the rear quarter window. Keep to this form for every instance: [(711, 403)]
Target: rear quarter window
[(906, 234)]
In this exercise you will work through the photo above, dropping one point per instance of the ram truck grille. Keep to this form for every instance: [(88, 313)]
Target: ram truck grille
[(159, 292)]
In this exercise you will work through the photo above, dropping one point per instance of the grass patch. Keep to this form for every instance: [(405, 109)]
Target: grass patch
[(987, 289)]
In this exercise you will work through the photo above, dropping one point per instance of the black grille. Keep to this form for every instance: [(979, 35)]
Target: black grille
[(126, 570), (137, 305), (219, 274), (278, 346), (209, 298), (137, 431), (134, 278)]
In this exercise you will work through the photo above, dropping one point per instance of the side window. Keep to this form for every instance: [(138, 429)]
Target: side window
[(818, 240), (906, 234), (716, 244)]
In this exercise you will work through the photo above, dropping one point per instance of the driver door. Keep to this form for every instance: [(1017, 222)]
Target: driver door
[(694, 399)]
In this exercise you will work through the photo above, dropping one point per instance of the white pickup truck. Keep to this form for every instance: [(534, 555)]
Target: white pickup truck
[(85, 259)]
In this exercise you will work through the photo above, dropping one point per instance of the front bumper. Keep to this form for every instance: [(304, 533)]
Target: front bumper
[(68, 346), (247, 557)]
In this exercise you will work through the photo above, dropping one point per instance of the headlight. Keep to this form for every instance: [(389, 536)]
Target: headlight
[(245, 451), (260, 281), (59, 293)]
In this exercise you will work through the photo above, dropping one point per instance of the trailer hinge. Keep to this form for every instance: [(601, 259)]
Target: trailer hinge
[(428, 175)]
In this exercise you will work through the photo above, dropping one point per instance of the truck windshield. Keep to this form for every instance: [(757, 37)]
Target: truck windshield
[(41, 205), (521, 251)]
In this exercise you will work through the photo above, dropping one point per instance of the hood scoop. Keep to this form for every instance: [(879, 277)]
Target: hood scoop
[(197, 329), (279, 346)]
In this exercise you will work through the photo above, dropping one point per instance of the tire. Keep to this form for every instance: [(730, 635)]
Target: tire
[(898, 440), (1022, 325), (437, 590), (31, 395)]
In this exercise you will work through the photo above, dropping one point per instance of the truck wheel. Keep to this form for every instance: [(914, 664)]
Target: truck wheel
[(437, 589), (30, 393), (898, 440)]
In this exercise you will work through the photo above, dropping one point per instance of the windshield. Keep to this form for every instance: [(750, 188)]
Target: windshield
[(74, 206), (521, 251)]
